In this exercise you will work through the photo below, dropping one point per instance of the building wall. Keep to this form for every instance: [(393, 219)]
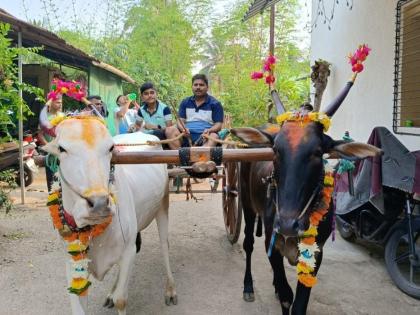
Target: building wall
[(370, 102)]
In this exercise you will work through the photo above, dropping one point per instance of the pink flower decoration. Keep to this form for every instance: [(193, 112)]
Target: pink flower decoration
[(256, 75), (268, 67), (52, 95), (358, 67), (356, 60), (271, 60), (269, 79), (72, 89), (365, 49)]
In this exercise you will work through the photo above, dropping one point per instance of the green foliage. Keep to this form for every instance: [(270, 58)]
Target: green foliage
[(162, 39), (7, 183), (159, 46), (10, 101), (237, 48)]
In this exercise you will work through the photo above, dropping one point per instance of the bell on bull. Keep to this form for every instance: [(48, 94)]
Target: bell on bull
[(296, 209)]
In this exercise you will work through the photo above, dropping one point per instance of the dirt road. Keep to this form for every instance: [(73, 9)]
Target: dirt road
[(208, 270)]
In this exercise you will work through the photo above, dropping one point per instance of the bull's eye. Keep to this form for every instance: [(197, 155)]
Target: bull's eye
[(111, 149), (61, 149)]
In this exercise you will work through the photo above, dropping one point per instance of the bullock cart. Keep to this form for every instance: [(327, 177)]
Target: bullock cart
[(227, 157)]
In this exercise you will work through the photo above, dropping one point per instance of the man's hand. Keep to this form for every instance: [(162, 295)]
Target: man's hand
[(150, 126), (133, 128), (208, 131), (136, 105)]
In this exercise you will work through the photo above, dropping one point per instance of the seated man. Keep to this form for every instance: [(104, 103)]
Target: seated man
[(201, 114), (96, 101), (156, 116)]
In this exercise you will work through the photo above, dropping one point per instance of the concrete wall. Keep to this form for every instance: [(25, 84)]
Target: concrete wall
[(370, 102)]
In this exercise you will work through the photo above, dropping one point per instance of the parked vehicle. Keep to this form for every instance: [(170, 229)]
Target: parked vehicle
[(9, 160), (385, 208)]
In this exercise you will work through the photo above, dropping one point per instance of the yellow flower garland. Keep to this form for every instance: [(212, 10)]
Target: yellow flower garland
[(57, 120), (307, 242), (321, 118)]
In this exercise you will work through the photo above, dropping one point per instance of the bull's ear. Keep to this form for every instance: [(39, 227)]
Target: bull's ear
[(253, 137), (353, 150), (52, 147)]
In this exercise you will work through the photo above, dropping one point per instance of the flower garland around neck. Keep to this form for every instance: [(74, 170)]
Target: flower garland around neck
[(307, 242), (77, 243), (304, 119)]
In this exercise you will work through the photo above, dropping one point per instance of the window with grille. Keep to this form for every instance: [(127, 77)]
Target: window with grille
[(407, 68)]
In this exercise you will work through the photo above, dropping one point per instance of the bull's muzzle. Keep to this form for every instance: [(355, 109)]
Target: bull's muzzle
[(99, 204), (292, 226)]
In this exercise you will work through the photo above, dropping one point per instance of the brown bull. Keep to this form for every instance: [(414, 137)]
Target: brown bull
[(279, 191)]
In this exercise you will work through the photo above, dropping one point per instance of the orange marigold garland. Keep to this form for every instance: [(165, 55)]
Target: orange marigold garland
[(78, 243), (307, 243)]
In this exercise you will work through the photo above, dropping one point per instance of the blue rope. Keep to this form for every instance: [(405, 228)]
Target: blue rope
[(51, 162), (346, 165), (272, 242)]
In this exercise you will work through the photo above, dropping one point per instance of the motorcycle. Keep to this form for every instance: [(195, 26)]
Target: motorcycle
[(383, 207), (9, 159)]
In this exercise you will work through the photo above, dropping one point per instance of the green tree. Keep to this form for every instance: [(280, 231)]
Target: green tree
[(10, 104), (10, 101), (159, 38), (237, 48)]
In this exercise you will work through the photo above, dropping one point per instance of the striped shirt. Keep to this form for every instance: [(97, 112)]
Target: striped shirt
[(199, 118)]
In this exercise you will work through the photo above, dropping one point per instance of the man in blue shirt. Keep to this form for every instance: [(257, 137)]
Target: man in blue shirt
[(201, 114)]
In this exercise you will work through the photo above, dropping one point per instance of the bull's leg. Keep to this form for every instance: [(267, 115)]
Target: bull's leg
[(303, 293), (282, 288), (248, 246), (162, 224), (78, 303), (120, 291)]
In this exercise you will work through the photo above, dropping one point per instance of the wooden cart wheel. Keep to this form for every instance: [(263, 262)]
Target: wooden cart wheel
[(232, 205)]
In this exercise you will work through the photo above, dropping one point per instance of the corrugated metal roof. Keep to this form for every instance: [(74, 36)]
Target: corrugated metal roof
[(54, 47), (258, 6)]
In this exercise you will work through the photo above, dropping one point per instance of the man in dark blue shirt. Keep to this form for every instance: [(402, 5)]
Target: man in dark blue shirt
[(201, 114)]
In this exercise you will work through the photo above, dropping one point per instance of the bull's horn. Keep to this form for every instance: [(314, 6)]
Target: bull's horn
[(335, 104), (276, 99)]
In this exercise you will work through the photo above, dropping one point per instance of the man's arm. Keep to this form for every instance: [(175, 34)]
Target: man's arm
[(215, 128), (123, 110), (182, 115), (217, 116), (168, 116)]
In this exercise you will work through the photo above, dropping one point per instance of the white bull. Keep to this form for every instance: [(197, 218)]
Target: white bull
[(83, 147)]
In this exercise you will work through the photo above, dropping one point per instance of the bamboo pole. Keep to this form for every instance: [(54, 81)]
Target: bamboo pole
[(21, 167)]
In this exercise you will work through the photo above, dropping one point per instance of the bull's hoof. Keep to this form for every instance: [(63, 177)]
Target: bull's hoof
[(249, 297), (109, 303), (171, 299)]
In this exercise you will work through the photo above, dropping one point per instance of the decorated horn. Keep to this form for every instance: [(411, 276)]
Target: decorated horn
[(276, 99), (335, 104), (356, 61)]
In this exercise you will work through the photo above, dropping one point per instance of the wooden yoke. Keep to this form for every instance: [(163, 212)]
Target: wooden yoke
[(196, 154)]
